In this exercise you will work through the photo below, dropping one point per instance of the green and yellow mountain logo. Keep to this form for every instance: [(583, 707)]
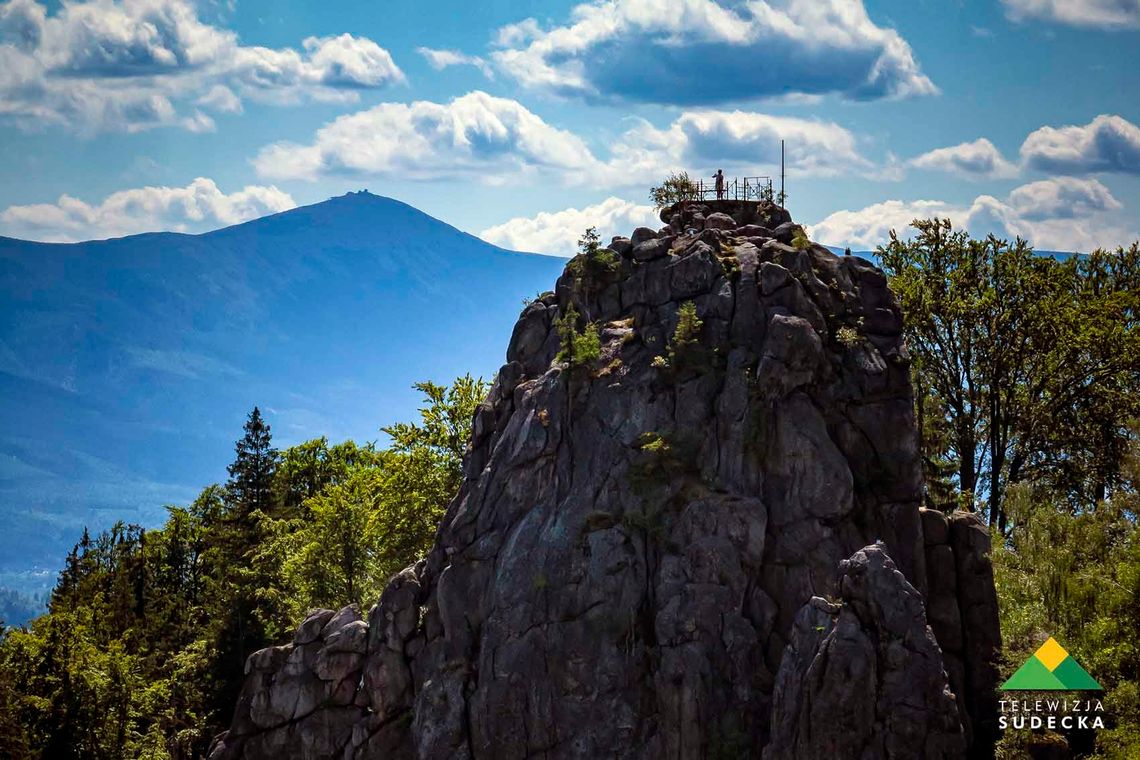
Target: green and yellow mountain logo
[(1051, 668)]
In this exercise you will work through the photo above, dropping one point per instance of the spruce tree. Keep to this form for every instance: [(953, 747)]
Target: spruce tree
[(242, 614), (251, 474)]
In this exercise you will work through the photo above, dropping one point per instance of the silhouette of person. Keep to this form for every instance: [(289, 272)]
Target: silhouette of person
[(719, 177)]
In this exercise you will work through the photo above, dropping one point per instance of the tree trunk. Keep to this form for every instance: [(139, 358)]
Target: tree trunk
[(967, 445)]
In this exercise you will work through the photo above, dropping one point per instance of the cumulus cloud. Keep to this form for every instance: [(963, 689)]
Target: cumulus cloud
[(558, 232), (221, 99), (979, 159), (736, 141), (1104, 14), (870, 226), (495, 140), (1062, 214), (475, 136), (1062, 198), (704, 52), (442, 59), (127, 65), (199, 206), (1106, 144)]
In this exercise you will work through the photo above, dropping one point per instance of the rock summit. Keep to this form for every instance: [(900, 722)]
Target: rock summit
[(702, 538)]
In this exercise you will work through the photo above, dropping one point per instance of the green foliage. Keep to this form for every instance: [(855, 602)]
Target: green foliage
[(577, 349), (1034, 362), (661, 460), (1076, 577), (143, 649), (251, 474), (685, 351), (848, 336), (1026, 371), (677, 187), (731, 265), (594, 267), (800, 240), (688, 328), (308, 468)]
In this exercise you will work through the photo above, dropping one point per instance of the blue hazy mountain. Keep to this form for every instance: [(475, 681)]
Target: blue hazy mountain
[(127, 366)]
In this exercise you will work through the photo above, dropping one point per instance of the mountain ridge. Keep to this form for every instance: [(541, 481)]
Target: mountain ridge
[(352, 200), (127, 364)]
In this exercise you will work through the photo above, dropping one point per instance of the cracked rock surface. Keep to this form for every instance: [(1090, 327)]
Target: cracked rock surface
[(639, 543), (863, 677)]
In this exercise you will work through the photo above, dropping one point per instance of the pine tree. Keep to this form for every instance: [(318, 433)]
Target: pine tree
[(251, 475), (244, 617)]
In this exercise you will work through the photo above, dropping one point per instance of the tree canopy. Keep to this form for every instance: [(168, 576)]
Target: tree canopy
[(1027, 367), (142, 651), (678, 186)]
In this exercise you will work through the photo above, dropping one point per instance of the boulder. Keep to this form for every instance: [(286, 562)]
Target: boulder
[(787, 232), (719, 221), (640, 235), (621, 245), (652, 249)]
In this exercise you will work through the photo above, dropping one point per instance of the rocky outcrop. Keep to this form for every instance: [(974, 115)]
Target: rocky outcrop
[(963, 613), (298, 700), (863, 677), (625, 569)]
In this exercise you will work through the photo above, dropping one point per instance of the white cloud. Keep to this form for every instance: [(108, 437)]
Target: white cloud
[(495, 140), (1061, 214), (870, 226), (127, 65), (441, 59), (475, 136), (1105, 14), (1106, 144), (703, 52), (1062, 198), (558, 232), (979, 159), (197, 207), (347, 61), (736, 141), (220, 99)]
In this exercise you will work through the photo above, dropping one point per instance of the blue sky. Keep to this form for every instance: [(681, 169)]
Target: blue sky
[(526, 122)]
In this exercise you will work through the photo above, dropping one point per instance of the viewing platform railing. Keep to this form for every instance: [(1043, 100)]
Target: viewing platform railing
[(735, 189)]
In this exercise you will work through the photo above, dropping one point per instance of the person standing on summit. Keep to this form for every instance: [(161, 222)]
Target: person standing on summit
[(719, 177)]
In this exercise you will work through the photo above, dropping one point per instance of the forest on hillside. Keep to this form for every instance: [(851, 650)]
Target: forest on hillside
[(1026, 371)]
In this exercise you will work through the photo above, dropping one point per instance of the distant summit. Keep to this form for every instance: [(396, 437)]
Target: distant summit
[(128, 365)]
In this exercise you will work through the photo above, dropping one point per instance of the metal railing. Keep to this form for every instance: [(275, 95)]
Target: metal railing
[(735, 189)]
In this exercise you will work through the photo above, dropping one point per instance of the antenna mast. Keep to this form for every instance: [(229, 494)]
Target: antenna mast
[(782, 196)]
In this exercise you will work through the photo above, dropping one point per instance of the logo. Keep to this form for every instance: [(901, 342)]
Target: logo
[(1051, 668)]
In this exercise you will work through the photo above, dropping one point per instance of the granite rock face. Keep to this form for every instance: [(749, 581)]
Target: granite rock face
[(962, 609), (629, 564), (864, 677)]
